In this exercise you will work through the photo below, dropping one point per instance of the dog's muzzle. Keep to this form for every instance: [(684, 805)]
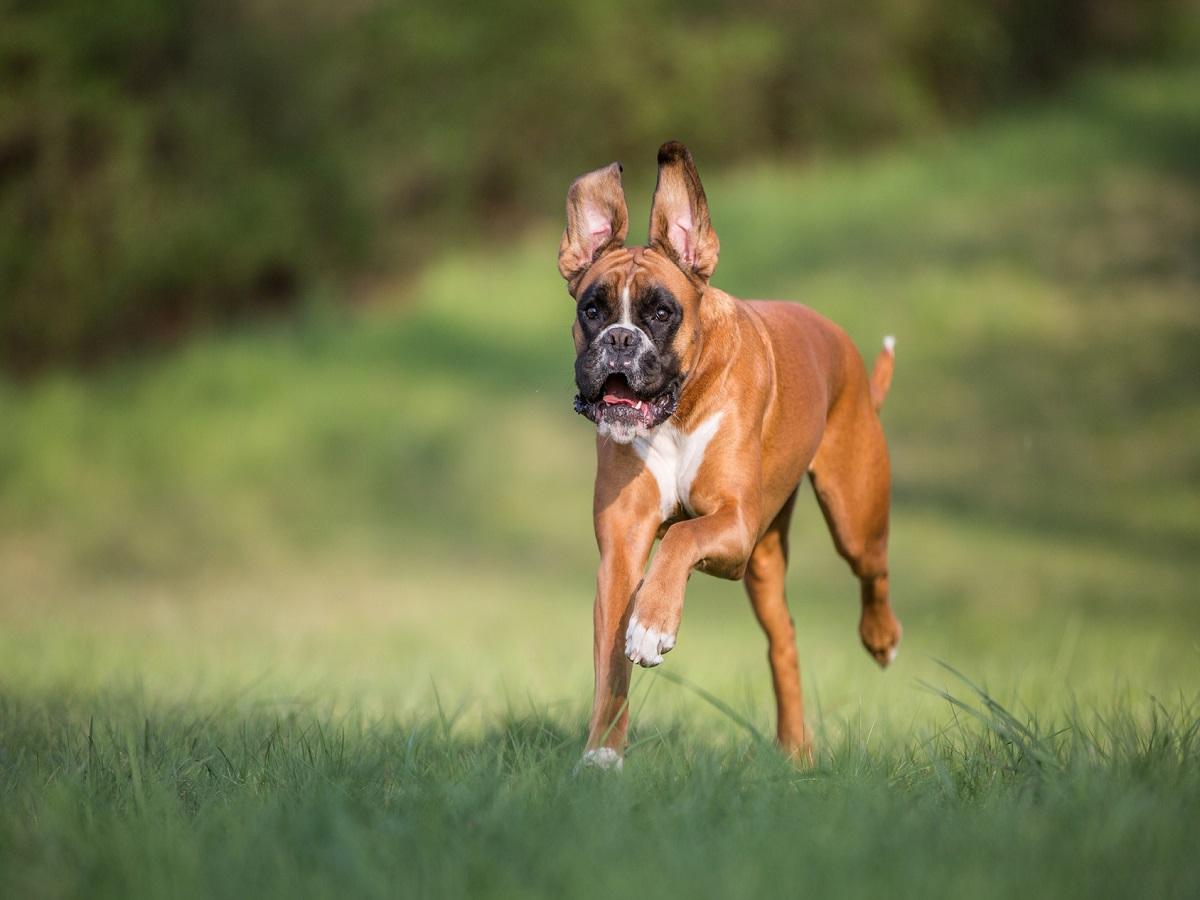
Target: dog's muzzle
[(621, 383)]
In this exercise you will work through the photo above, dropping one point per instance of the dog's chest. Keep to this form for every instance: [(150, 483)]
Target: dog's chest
[(673, 458)]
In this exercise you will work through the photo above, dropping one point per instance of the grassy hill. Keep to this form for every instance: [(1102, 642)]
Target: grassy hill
[(308, 607)]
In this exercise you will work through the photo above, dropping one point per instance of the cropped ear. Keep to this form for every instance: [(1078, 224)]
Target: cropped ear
[(597, 220), (679, 222)]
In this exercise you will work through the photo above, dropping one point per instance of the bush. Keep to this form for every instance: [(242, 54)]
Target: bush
[(166, 165)]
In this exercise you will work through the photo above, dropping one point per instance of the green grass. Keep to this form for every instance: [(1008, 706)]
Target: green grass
[(306, 610), (175, 802)]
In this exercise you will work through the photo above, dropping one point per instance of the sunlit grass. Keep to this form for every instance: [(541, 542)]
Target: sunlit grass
[(308, 607), (119, 797)]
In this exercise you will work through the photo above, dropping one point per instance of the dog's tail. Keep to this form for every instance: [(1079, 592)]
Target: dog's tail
[(881, 376)]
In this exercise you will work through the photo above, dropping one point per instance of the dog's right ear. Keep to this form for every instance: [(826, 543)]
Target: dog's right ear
[(597, 220)]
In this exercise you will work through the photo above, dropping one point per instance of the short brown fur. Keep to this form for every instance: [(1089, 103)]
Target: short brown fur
[(794, 397)]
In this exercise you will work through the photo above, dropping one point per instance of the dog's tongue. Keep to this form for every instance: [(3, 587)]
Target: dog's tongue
[(616, 390)]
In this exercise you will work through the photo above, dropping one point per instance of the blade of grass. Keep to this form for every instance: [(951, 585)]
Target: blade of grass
[(714, 701)]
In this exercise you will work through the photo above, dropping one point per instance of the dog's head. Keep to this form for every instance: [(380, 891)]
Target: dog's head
[(637, 325)]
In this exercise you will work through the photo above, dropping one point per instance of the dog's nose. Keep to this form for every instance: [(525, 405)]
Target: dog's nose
[(621, 340)]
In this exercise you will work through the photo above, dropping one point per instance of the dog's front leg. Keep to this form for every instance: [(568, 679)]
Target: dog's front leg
[(625, 541), (719, 544)]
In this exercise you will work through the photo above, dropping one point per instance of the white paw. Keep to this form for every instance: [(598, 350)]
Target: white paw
[(646, 646), (601, 758)]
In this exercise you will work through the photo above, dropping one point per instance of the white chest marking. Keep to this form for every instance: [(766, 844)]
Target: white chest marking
[(673, 458)]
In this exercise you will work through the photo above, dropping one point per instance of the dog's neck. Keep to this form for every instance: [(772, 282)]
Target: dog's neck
[(702, 385)]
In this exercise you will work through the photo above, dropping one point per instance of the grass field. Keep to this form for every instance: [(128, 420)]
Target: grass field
[(305, 610)]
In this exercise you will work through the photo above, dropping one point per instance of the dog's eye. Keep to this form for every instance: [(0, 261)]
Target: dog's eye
[(662, 313), (592, 311)]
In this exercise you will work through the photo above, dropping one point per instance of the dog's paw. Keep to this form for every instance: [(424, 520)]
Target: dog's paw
[(646, 645), (604, 758), (880, 632)]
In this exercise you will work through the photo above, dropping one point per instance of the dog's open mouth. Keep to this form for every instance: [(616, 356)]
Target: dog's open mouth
[(618, 403), (617, 392)]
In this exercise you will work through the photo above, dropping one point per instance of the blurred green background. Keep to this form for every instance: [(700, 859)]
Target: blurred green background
[(285, 421), (165, 166)]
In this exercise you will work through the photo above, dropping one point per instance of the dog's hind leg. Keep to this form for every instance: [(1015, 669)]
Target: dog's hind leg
[(852, 481), (765, 577)]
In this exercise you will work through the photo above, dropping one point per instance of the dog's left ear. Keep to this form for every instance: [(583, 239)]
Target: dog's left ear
[(679, 223), (597, 220)]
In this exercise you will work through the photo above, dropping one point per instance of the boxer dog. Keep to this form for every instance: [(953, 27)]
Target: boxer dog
[(709, 411)]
